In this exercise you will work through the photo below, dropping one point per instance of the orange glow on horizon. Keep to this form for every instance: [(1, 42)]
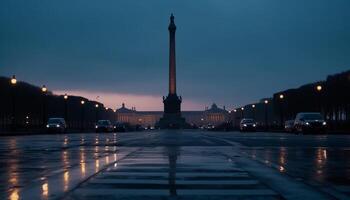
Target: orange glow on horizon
[(141, 102)]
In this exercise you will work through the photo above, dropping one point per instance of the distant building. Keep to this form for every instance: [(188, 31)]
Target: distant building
[(213, 116)]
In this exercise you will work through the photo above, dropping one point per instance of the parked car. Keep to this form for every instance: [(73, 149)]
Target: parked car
[(104, 126), (56, 125), (289, 126), (210, 127), (310, 122), (119, 127), (247, 125)]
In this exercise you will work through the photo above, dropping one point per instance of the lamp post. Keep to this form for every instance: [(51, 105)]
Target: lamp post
[(253, 107), (107, 112), (266, 120), (82, 102), (13, 117), (44, 92), (96, 112), (242, 112), (65, 97), (319, 91), (115, 114), (235, 117), (281, 97)]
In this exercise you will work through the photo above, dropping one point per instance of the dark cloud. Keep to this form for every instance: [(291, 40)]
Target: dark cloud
[(231, 52)]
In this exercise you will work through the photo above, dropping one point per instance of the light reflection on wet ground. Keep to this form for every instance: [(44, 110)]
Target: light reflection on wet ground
[(32, 160), (317, 159), (49, 164), (174, 172), (313, 164)]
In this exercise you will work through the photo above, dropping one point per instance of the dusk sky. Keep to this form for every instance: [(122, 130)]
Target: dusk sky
[(231, 52)]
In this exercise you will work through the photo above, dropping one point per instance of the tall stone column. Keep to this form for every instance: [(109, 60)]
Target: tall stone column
[(172, 60), (172, 103)]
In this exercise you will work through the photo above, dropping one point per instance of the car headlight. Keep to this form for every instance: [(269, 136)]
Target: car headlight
[(245, 125), (324, 123), (47, 126), (57, 125), (307, 123)]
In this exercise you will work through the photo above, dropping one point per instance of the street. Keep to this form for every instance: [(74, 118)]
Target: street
[(182, 164)]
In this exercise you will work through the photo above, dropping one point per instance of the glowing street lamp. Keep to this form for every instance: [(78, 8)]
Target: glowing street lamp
[(96, 112), (281, 110), (65, 97), (319, 88), (253, 107), (44, 89), (44, 92), (266, 120), (13, 80), (13, 117), (82, 102)]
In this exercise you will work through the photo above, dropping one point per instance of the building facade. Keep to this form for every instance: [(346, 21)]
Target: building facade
[(213, 116)]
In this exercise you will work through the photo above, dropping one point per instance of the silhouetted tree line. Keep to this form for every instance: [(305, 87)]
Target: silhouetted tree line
[(262, 112), (28, 107), (332, 99)]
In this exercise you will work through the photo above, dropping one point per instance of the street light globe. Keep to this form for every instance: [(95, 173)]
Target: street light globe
[(253, 106), (242, 108), (319, 88), (96, 105), (65, 96), (234, 110), (281, 96), (82, 102), (43, 89), (107, 108), (13, 80), (266, 101)]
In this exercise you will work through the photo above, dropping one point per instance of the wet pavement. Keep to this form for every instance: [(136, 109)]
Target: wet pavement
[(175, 165)]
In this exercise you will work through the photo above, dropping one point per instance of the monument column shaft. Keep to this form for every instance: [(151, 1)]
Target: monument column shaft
[(172, 103), (172, 62)]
